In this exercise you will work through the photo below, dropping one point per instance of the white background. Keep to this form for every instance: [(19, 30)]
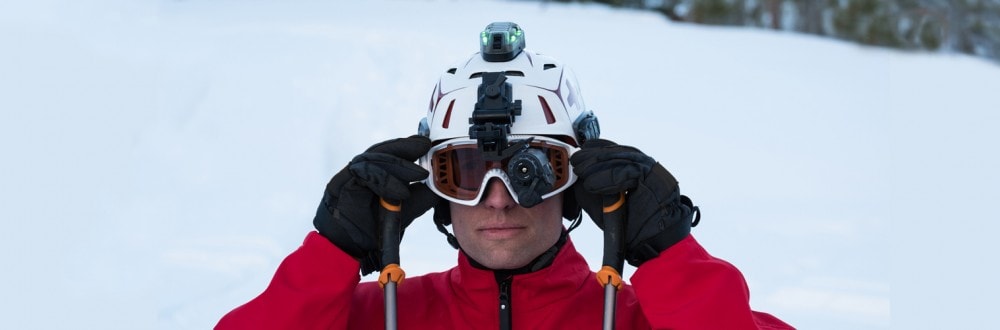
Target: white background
[(160, 158)]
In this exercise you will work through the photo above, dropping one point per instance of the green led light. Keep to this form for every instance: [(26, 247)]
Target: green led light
[(501, 41)]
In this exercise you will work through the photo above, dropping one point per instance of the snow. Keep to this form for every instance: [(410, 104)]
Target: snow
[(160, 158)]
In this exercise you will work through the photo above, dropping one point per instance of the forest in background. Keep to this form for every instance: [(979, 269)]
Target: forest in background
[(951, 26)]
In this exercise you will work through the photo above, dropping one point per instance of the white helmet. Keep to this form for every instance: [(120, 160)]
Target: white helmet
[(550, 99)]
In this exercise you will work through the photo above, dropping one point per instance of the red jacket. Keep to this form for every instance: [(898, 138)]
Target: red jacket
[(317, 287)]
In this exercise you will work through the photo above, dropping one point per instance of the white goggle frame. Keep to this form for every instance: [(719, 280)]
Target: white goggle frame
[(425, 162)]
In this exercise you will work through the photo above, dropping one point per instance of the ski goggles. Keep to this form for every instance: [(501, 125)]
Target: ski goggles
[(460, 174)]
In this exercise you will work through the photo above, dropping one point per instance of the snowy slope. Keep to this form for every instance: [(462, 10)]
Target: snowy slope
[(161, 158)]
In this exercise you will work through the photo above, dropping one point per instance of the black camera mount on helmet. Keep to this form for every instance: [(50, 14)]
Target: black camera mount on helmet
[(494, 113), (528, 169)]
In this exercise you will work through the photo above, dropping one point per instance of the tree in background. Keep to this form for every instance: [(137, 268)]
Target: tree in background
[(964, 26)]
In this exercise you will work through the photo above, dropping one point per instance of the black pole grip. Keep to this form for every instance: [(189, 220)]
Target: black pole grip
[(614, 231), (391, 275), (609, 276), (391, 231)]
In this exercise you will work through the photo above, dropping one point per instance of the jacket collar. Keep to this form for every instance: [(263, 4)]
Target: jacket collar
[(559, 280)]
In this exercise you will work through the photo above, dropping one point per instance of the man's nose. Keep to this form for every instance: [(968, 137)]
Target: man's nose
[(497, 196)]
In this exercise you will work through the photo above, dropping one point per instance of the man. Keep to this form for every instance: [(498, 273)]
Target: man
[(506, 151)]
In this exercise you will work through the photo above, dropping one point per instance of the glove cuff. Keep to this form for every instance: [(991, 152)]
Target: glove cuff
[(370, 262), (327, 227), (652, 247)]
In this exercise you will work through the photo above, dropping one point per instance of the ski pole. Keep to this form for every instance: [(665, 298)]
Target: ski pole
[(391, 275), (610, 274)]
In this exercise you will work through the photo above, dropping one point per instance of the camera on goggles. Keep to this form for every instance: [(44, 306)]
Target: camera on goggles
[(530, 175)]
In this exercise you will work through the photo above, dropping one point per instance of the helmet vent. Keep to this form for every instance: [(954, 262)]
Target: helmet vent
[(549, 118), (512, 73), (452, 70), (548, 66), (447, 115)]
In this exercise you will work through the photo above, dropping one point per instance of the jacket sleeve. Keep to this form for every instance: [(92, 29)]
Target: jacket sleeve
[(686, 288), (312, 289)]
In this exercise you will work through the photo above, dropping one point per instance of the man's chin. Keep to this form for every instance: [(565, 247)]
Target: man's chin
[(503, 262)]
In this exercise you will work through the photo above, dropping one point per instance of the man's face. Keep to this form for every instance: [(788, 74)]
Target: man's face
[(500, 234)]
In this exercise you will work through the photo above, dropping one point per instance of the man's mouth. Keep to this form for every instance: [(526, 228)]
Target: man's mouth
[(501, 232)]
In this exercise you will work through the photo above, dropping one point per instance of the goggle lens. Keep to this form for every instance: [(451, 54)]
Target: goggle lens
[(458, 168)]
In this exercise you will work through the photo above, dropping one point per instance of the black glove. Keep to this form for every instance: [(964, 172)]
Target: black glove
[(348, 214), (657, 215)]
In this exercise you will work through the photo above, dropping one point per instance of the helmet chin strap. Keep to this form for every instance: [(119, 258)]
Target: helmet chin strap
[(442, 218)]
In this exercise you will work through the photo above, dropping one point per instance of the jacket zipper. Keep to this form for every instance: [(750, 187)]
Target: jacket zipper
[(505, 319)]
